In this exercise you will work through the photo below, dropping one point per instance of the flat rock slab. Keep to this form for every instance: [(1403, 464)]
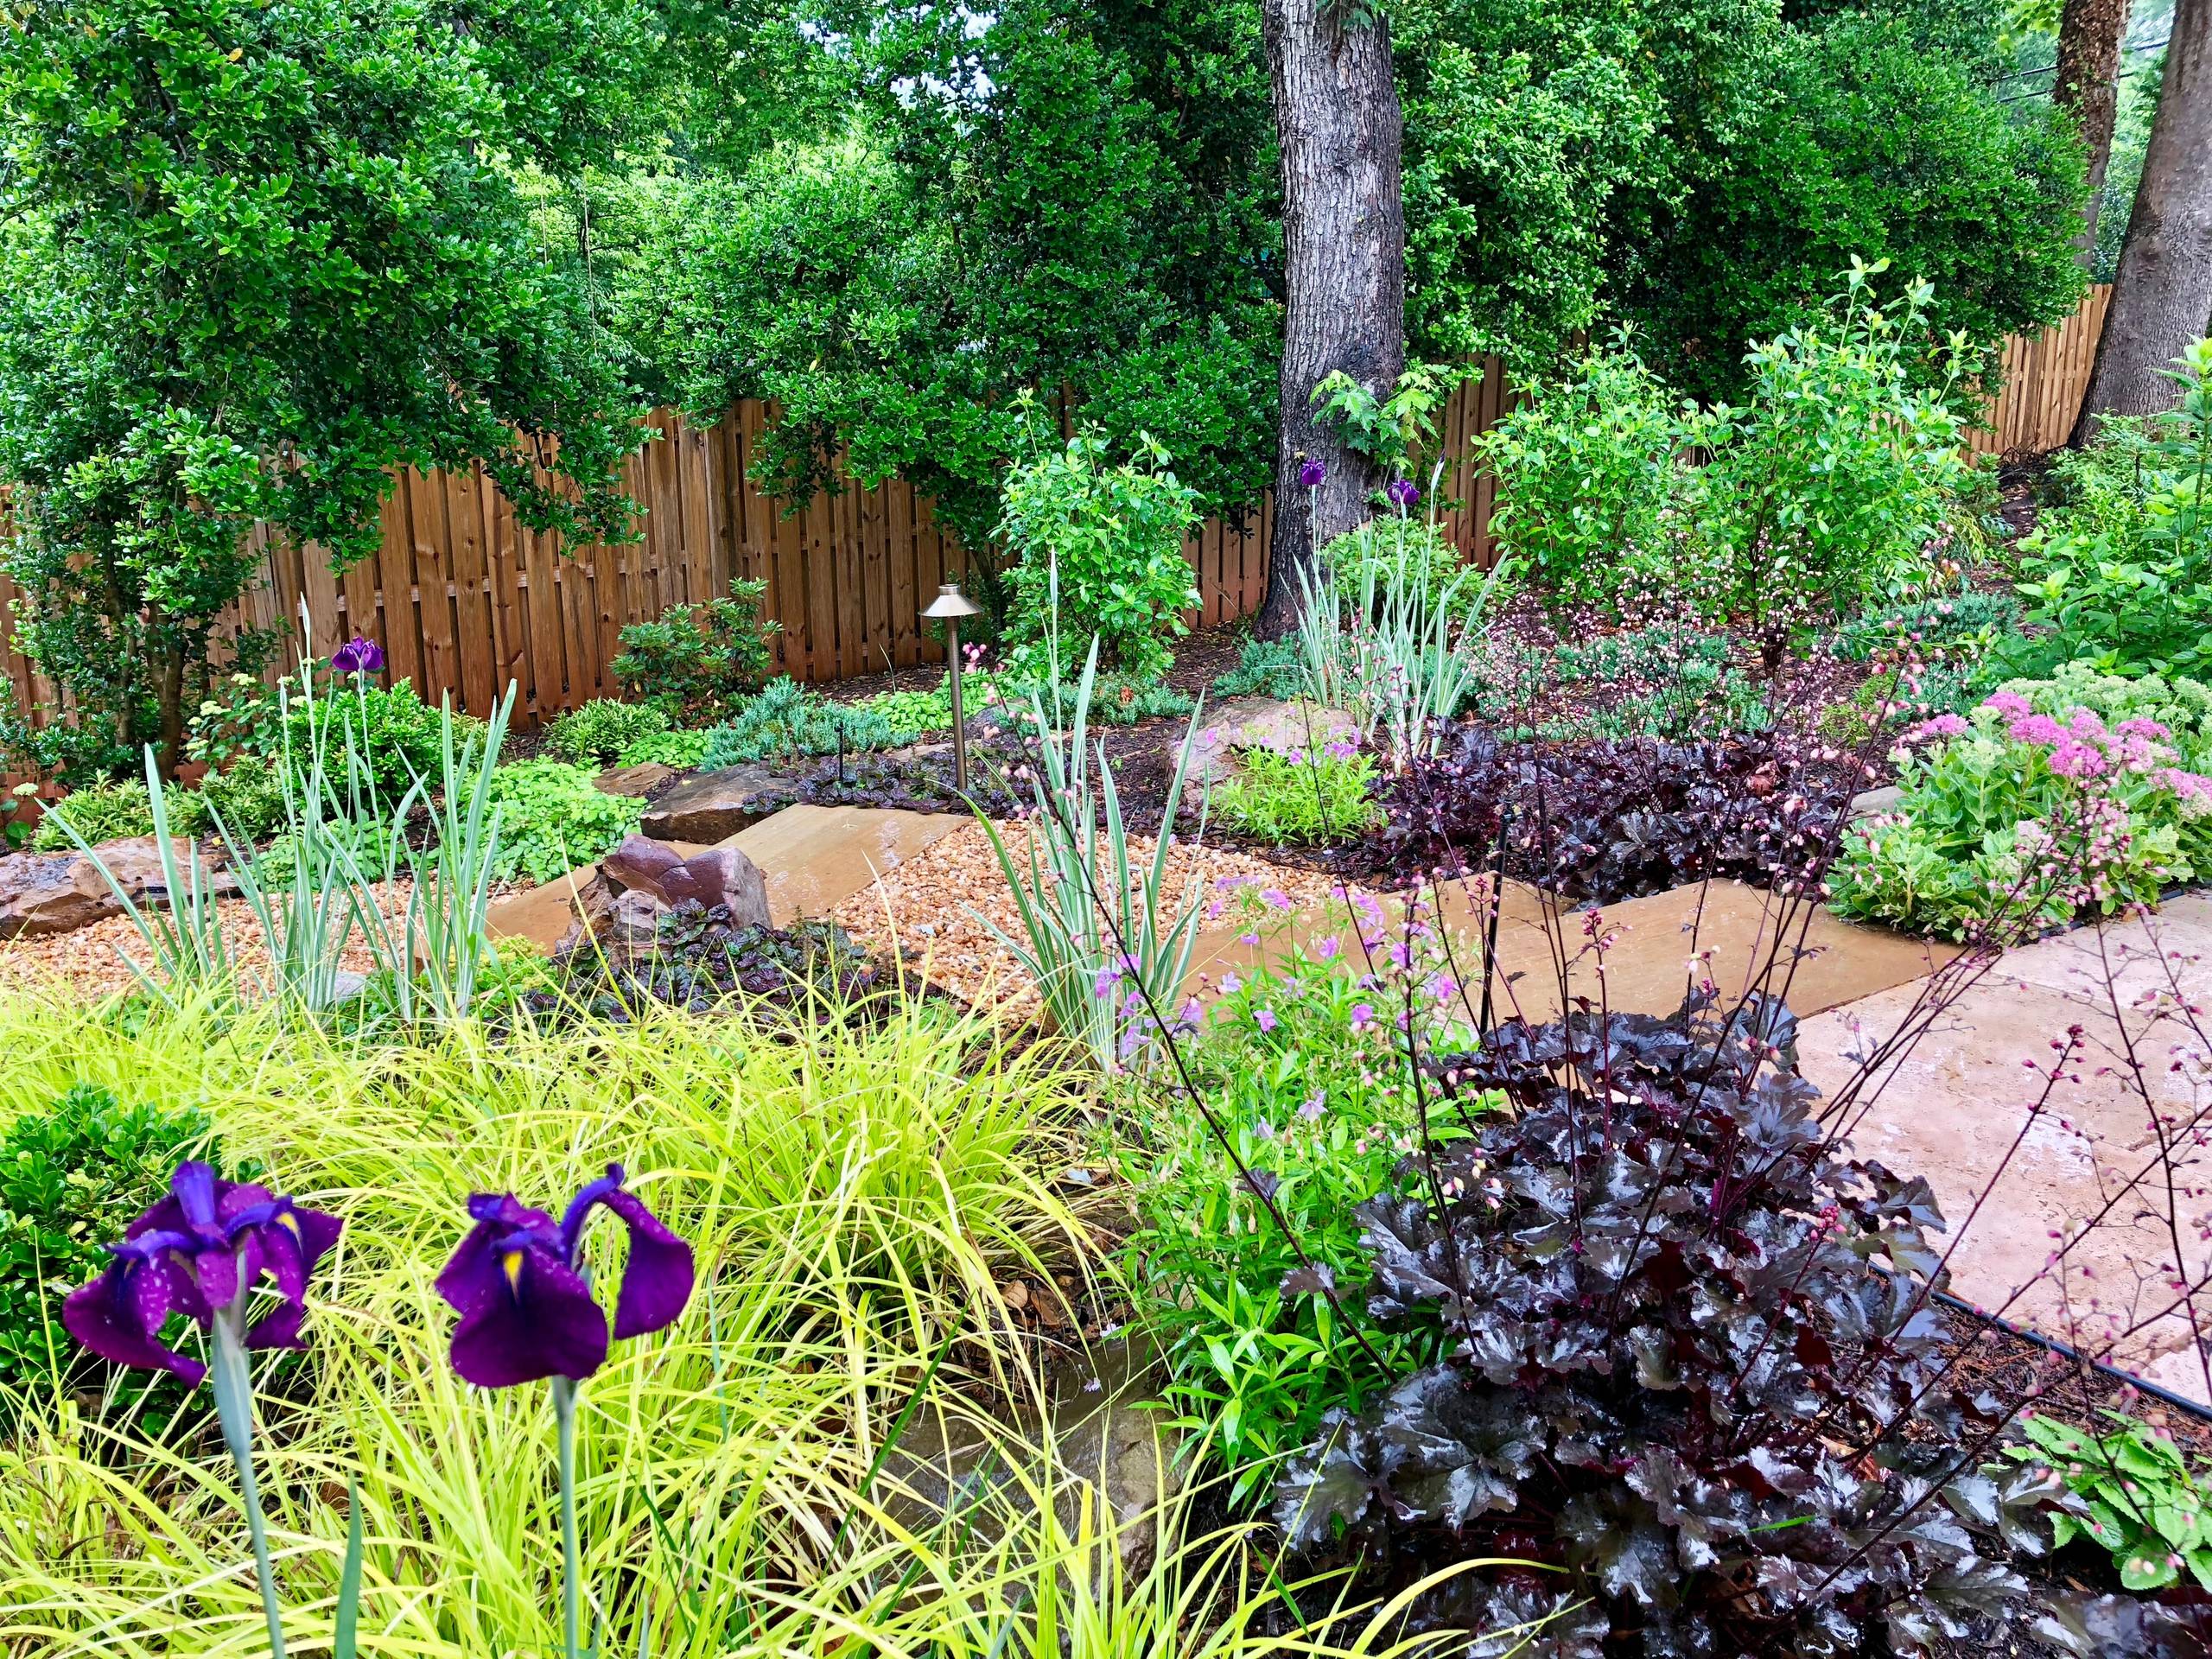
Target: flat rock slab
[(1262, 723), (712, 806), (817, 857), (1748, 938), (639, 780), (1953, 1108), (58, 893)]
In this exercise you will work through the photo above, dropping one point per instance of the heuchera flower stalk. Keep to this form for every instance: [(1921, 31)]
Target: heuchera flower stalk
[(527, 1312), (200, 1252)]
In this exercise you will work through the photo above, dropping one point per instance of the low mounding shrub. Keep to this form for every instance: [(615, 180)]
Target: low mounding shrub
[(1671, 1367), (599, 732), (1266, 668), (788, 720), (552, 818), (101, 812), (1607, 820), (683, 750), (2051, 797), (697, 660), (72, 1177), (1301, 796), (699, 961), (388, 733), (1963, 624), (247, 801)]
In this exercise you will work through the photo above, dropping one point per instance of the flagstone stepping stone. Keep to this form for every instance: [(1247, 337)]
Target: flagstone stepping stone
[(1951, 1109), (1745, 938), (817, 857)]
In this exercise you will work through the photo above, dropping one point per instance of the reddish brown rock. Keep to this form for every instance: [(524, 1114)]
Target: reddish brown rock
[(719, 875), (57, 892)]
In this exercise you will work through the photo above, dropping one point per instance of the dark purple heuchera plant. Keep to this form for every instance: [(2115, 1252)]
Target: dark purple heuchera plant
[(201, 1252), (527, 1313)]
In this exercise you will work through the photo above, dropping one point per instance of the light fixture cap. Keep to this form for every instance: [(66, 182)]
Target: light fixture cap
[(950, 601)]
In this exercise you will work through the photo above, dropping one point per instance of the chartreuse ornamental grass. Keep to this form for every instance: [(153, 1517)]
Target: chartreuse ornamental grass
[(853, 1201)]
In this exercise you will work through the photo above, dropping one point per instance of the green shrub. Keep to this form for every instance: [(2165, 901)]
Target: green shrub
[(551, 818), (1587, 473), (71, 1178), (2120, 572), (598, 733), (697, 660), (1405, 551), (1304, 796), (1963, 624), (787, 720), (1098, 551), (1116, 699), (390, 733), (249, 799), (1266, 668), (682, 750), (102, 812), (1838, 477)]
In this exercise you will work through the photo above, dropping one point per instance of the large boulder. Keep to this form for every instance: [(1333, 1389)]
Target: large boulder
[(715, 805), (58, 893), (1241, 723), (719, 875)]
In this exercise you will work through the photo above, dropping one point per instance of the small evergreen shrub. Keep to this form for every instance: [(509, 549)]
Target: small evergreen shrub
[(599, 732), (1266, 667), (788, 720), (698, 660), (72, 1176), (247, 799), (113, 811)]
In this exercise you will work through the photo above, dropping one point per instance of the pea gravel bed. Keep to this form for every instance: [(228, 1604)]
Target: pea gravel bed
[(932, 906), (90, 960)]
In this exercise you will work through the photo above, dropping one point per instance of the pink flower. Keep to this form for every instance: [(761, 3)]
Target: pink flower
[(2010, 704), (2036, 729), (2073, 759), (1941, 726), (2140, 727)]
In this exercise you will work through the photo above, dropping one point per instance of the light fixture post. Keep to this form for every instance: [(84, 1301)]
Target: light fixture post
[(949, 606)]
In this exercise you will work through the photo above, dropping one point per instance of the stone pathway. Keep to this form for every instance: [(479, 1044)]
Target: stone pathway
[(1953, 1108)]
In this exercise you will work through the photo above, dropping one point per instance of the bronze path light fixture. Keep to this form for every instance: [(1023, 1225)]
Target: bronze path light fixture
[(949, 606)]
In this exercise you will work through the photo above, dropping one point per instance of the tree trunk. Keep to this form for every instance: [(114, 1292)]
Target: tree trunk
[(1338, 122), (2162, 293), (2089, 34)]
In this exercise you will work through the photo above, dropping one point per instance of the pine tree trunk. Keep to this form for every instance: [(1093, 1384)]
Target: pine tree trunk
[(2089, 34), (2162, 293), (1339, 125)]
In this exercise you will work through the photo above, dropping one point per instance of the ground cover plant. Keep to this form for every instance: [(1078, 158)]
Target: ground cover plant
[(701, 959), (786, 721), (1300, 796), (553, 816)]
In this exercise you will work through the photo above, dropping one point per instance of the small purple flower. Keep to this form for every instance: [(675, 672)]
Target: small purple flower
[(526, 1308), (1363, 1015), (1402, 493), (358, 655), (1315, 1104), (1310, 474), (1265, 1019), (1230, 984), (1102, 982), (1326, 950), (198, 1252)]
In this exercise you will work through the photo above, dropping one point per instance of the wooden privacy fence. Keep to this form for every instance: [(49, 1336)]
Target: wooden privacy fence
[(464, 600)]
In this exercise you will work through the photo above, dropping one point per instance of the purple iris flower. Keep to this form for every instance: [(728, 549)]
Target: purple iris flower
[(198, 1252), (526, 1308), (1310, 474), (1402, 493), (358, 655)]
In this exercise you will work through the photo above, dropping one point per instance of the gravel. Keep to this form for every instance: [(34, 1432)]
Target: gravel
[(928, 906)]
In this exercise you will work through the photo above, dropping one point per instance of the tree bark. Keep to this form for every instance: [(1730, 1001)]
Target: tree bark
[(2089, 32), (2162, 293), (1340, 130)]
